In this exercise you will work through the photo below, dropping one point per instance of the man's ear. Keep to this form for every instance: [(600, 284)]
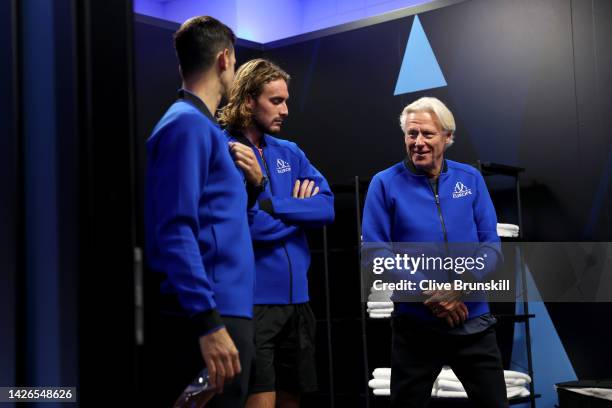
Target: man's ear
[(223, 60), (448, 138), (250, 102)]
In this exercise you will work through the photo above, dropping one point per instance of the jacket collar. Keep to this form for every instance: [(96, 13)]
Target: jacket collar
[(409, 165), (241, 138), (184, 94)]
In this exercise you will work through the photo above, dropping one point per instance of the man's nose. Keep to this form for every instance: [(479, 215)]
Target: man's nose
[(284, 110), (420, 140)]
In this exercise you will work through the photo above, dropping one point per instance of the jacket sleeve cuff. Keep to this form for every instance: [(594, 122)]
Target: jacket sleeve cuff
[(206, 322), (252, 193), (266, 205)]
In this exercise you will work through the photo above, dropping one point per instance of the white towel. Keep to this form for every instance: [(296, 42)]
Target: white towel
[(507, 230), (516, 382), (379, 383), (447, 394), (379, 295), (383, 373), (380, 305), (509, 227), (386, 310), (380, 391), (514, 392), (380, 315), (448, 385), (447, 374), (516, 375)]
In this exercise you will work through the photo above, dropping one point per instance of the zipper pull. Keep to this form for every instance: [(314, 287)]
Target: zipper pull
[(437, 199)]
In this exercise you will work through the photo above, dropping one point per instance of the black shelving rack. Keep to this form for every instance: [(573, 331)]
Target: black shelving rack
[(359, 188), (496, 169)]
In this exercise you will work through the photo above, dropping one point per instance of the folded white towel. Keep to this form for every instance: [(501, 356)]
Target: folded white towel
[(513, 375), (383, 373), (515, 392), (380, 391), (380, 315), (448, 385), (381, 296), (448, 394), (509, 227), (380, 305), (516, 382), (379, 383), (507, 230), (447, 374), (386, 310)]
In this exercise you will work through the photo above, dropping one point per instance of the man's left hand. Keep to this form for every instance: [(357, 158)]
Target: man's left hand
[(244, 157), (447, 304)]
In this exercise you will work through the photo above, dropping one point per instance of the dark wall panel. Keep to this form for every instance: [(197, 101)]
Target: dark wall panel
[(10, 201)]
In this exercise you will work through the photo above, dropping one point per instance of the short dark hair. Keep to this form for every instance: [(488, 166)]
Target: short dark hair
[(197, 42)]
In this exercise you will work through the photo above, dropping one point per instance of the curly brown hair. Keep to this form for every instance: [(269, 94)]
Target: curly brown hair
[(248, 81)]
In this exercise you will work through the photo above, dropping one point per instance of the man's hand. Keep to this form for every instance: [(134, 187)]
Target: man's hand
[(245, 159), (447, 305), (221, 357), (305, 189)]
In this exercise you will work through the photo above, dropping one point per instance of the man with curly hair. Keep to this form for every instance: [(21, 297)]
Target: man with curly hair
[(296, 196)]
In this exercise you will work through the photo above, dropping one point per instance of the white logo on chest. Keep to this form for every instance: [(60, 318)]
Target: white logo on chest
[(282, 166), (461, 190)]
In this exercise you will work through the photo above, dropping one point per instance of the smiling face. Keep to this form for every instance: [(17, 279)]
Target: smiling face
[(425, 142), (270, 108)]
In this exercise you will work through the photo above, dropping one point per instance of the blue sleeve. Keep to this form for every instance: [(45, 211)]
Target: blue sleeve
[(265, 228), (309, 212), (178, 170), (486, 225), (376, 232)]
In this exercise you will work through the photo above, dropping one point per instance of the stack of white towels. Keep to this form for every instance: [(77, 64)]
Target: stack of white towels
[(447, 384), (508, 230), (380, 305)]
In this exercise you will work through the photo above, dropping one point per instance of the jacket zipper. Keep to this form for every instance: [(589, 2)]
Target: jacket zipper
[(284, 247), (437, 200)]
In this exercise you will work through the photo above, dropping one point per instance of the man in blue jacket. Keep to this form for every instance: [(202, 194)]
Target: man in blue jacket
[(296, 197), (197, 229), (427, 199)]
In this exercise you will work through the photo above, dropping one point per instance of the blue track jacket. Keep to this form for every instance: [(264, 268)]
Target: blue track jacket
[(196, 216), (277, 221), (401, 207)]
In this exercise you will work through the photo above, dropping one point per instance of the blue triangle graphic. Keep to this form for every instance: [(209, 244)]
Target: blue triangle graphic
[(420, 69)]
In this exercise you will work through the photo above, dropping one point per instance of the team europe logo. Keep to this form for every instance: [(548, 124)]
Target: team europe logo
[(461, 190), (282, 166)]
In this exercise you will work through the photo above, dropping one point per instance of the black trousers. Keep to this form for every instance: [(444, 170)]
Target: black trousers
[(173, 360), (419, 353)]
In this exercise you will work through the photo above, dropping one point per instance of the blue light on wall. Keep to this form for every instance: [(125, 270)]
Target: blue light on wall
[(420, 69), (265, 21)]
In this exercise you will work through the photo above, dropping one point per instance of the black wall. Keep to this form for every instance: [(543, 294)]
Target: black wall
[(11, 243)]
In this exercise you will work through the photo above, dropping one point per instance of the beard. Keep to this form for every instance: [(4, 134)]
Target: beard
[(263, 128)]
